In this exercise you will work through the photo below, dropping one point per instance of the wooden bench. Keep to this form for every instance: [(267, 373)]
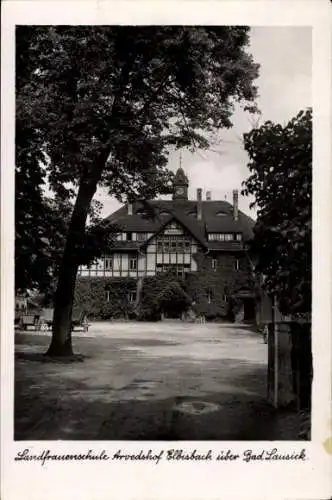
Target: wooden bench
[(80, 320), (27, 320), (45, 319)]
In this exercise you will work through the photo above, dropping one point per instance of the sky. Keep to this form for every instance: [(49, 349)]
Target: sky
[(284, 88)]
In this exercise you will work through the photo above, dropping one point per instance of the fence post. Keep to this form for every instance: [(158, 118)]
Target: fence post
[(276, 354)]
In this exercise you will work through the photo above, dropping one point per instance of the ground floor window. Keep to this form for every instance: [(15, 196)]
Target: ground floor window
[(132, 296), (179, 270)]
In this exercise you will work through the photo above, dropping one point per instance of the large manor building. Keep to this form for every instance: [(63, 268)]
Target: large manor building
[(199, 244)]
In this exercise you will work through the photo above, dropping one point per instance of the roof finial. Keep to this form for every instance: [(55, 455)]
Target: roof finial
[(180, 159)]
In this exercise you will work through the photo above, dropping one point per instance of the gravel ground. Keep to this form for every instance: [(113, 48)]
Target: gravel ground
[(148, 381)]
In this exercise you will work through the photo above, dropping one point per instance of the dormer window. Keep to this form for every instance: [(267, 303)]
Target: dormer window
[(141, 236), (141, 212), (164, 212), (221, 214), (220, 236)]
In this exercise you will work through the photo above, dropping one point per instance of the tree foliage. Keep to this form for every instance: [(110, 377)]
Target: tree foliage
[(107, 103), (125, 93), (41, 228), (281, 182)]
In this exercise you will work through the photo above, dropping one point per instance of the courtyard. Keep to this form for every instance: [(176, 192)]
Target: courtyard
[(147, 381)]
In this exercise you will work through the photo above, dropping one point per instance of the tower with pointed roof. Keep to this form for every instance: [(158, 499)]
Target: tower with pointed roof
[(180, 185)]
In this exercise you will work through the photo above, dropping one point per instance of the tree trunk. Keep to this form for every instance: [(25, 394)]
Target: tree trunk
[(61, 344)]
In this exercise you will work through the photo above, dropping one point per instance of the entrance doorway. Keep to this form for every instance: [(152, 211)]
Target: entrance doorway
[(249, 309)]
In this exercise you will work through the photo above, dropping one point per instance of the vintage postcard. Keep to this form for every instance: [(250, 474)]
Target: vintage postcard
[(166, 250)]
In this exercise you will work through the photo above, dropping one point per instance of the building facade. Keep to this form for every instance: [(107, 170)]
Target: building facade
[(200, 244)]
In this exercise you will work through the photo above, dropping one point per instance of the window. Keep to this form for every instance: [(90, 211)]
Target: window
[(107, 295), (182, 270), (221, 214), (175, 243), (221, 236), (132, 296), (179, 269), (209, 296), (239, 237), (225, 298), (108, 263), (129, 236), (133, 264), (236, 264), (214, 264), (160, 268), (141, 236)]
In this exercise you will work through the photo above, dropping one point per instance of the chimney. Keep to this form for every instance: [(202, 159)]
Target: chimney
[(236, 204), (208, 196), (199, 204), (130, 208)]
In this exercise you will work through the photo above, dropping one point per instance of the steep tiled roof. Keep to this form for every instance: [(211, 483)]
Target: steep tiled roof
[(126, 245), (152, 216), (225, 245)]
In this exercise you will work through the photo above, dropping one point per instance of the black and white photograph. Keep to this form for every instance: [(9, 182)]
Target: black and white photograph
[(166, 191), (163, 233)]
